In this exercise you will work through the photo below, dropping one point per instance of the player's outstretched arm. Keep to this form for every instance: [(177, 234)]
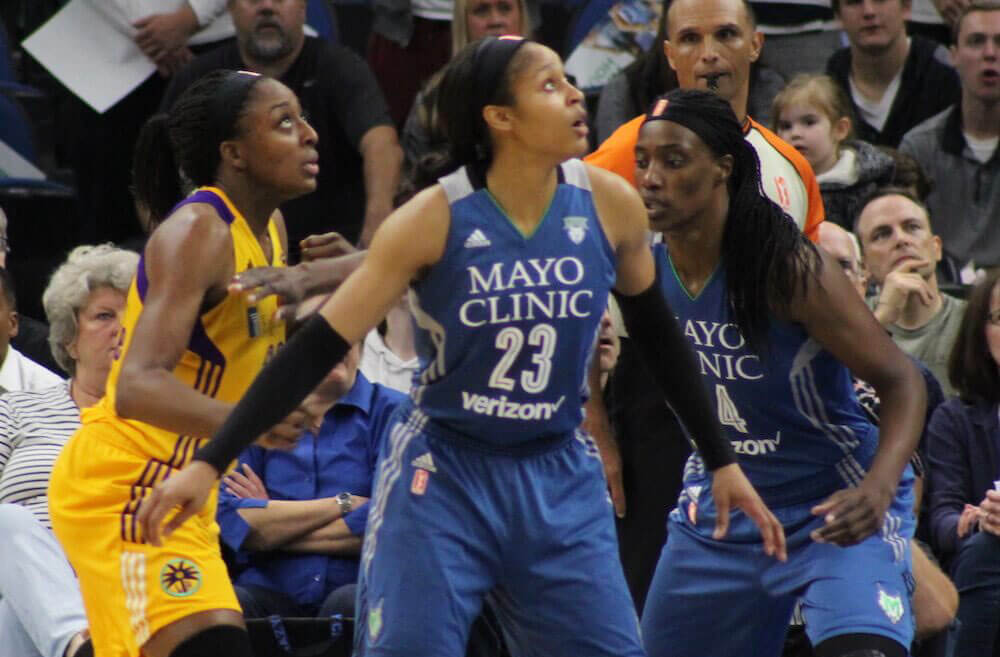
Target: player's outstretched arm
[(411, 239), (655, 330)]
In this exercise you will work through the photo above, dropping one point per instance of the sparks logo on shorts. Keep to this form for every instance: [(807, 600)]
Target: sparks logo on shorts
[(892, 605), (576, 228), (375, 621), (180, 578), (419, 484)]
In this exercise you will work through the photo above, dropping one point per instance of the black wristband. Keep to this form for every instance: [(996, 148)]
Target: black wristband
[(294, 371), (654, 329)]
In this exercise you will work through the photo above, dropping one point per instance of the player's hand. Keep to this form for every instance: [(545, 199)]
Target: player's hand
[(326, 245), (989, 513), (159, 34), (909, 279), (243, 483), (187, 491), (731, 488), (851, 515), (285, 435), (290, 283)]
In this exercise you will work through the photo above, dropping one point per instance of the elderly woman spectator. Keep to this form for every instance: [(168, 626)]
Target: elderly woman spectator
[(964, 464), (41, 613), (472, 20)]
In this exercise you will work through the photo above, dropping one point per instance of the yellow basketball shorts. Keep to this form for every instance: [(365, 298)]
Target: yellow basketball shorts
[(130, 588)]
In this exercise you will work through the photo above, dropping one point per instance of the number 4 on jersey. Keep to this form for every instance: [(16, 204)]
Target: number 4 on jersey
[(728, 414)]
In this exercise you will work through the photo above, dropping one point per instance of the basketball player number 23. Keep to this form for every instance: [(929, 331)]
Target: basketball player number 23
[(510, 340)]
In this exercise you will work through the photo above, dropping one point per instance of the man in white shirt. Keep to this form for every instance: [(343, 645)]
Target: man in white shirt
[(16, 371)]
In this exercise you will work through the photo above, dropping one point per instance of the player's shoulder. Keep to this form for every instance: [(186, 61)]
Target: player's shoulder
[(192, 233)]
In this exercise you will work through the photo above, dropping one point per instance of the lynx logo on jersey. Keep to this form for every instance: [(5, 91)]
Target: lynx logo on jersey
[(892, 605), (576, 228), (729, 416)]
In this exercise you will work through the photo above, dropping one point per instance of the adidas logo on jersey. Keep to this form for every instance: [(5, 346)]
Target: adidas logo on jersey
[(476, 240), (425, 461)]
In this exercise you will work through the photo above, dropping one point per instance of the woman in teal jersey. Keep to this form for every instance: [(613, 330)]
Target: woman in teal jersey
[(776, 325)]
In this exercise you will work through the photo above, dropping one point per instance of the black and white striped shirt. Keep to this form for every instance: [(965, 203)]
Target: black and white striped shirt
[(34, 426)]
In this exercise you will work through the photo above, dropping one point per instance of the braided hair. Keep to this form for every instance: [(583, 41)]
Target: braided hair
[(766, 257), (180, 148)]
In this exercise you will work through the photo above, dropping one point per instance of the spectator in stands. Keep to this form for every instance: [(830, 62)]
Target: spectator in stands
[(389, 355), (958, 147), (908, 174), (800, 35), (358, 148), (17, 372), (927, 21), (168, 32), (901, 253), (894, 81), (633, 90), (711, 45), (164, 35), (41, 612), (297, 518), (472, 20), (964, 463), (410, 41), (32, 336), (814, 115)]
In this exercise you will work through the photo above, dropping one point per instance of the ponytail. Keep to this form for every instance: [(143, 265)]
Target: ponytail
[(767, 258), (156, 180)]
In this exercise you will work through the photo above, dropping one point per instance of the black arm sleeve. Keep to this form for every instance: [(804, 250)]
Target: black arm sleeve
[(294, 371), (653, 327)]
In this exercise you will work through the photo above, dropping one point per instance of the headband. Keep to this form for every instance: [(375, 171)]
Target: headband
[(230, 97), (679, 112), (489, 64)]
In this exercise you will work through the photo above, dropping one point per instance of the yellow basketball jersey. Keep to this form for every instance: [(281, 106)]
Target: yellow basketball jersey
[(228, 346)]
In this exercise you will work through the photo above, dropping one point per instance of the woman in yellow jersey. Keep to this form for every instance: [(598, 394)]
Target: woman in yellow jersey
[(188, 352)]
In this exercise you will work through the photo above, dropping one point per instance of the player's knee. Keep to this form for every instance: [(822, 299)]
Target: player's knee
[(860, 645), (228, 640)]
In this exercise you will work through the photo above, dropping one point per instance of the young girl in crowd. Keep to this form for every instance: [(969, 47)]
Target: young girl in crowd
[(813, 114)]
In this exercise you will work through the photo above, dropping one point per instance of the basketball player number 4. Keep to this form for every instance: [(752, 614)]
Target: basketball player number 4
[(510, 340)]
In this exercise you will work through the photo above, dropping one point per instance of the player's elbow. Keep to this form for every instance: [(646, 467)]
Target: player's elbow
[(128, 398)]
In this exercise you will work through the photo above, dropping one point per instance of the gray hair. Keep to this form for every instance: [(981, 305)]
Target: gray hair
[(87, 268)]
